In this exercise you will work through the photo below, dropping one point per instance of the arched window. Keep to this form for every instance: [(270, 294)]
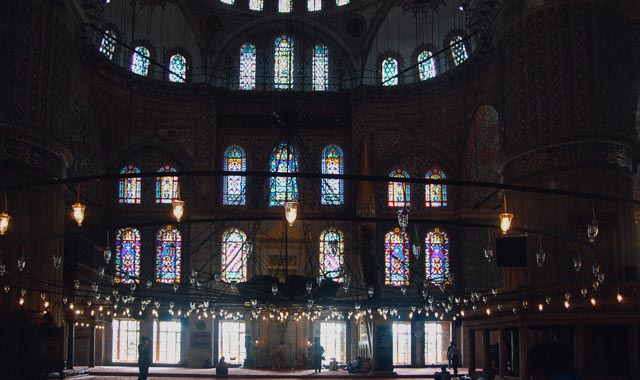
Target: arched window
[(340, 3), (332, 189), (436, 244), (128, 255), (230, 2), (177, 68), (426, 65), (458, 50), (256, 5), (285, 6), (314, 5), (168, 255), (234, 187), (396, 258), (331, 254), (140, 61), (389, 72), (320, 68), (248, 67), (399, 192), (283, 63), (435, 195), (130, 188), (284, 159), (167, 187), (108, 44), (234, 254)]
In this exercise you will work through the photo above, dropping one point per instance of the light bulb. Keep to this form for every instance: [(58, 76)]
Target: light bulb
[(566, 304), (4, 222), (505, 222), (540, 306), (78, 212), (291, 211), (593, 301), (178, 209), (619, 297)]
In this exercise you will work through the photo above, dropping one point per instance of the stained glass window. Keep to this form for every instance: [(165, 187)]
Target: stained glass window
[(436, 243), (320, 68), (230, 2), (234, 253), (331, 254), (130, 188), (332, 189), (399, 192), (256, 5), (340, 3), (285, 6), (168, 255), (177, 68), (389, 72), (283, 63), (108, 44), (234, 187), (140, 61), (284, 159), (458, 50), (314, 5), (167, 187), (427, 65), (248, 67), (128, 255), (396, 258), (435, 195)]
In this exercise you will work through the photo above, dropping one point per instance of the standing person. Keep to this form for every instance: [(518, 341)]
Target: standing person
[(318, 355), (144, 357), (454, 356), (550, 361)]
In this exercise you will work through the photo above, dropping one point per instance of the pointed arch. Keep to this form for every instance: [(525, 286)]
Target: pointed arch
[(331, 257), (396, 258), (283, 63), (436, 248), (399, 194), (168, 255), (435, 195), (140, 61), (284, 159), (332, 189), (247, 80), (234, 255), (234, 187), (127, 255), (129, 189), (167, 187)]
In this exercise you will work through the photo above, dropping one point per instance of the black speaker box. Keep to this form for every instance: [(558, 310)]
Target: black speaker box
[(511, 251)]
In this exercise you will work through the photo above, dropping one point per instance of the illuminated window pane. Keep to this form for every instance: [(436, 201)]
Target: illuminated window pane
[(389, 72), (331, 254), (248, 67), (436, 243), (320, 68), (401, 332), (256, 5), (332, 189), (129, 189), (167, 187), (283, 63), (281, 189), (128, 255), (436, 341), (285, 6), (399, 192), (231, 342), (125, 339), (108, 44), (167, 340), (230, 2), (333, 338), (140, 61), (458, 50), (426, 65), (314, 5), (396, 257), (177, 68), (435, 195), (234, 187), (340, 3), (168, 255), (234, 254)]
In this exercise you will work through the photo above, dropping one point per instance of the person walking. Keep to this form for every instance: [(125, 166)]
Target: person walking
[(454, 356), (318, 356), (144, 358)]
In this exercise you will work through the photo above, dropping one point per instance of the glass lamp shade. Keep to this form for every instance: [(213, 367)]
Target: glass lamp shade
[(370, 291), (107, 255), (4, 222), (540, 257), (178, 209), (488, 253), (22, 262), (577, 263), (592, 230), (416, 250), (78, 212), (291, 211), (403, 218), (505, 222), (274, 289)]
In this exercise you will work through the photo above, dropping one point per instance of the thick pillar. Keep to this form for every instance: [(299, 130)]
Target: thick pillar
[(382, 347), (92, 347), (71, 337)]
